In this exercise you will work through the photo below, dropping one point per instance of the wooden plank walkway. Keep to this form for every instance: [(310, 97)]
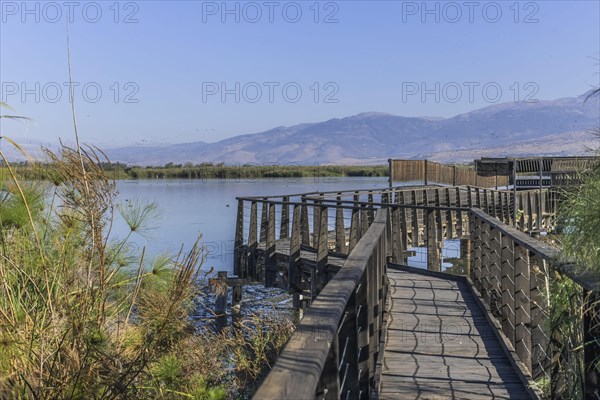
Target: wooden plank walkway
[(439, 344)]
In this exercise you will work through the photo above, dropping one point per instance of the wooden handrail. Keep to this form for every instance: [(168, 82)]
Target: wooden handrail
[(508, 267), (324, 353)]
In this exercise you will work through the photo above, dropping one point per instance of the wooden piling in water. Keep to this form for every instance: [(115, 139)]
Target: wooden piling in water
[(221, 293)]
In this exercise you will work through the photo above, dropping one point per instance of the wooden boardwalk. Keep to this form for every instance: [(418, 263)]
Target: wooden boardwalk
[(439, 344)]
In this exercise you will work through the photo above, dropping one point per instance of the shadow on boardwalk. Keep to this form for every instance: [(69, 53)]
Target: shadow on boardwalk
[(440, 345)]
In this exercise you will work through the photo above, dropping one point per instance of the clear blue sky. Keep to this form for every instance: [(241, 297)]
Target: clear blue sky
[(174, 57)]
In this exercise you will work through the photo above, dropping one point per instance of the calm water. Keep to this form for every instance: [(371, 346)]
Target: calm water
[(189, 208)]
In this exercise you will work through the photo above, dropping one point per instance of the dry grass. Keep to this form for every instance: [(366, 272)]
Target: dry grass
[(82, 317)]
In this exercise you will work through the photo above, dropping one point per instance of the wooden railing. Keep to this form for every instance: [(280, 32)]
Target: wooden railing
[(331, 224), (333, 352), (513, 274), (432, 172)]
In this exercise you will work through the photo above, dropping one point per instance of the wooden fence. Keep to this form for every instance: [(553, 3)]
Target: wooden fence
[(513, 274), (334, 350), (431, 172)]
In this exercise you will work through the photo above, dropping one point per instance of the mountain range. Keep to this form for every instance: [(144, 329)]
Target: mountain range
[(556, 127)]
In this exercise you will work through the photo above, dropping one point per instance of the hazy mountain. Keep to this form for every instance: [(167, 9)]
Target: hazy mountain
[(548, 127), (545, 128)]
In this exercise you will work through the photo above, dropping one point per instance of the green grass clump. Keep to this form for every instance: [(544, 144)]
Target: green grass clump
[(82, 316)]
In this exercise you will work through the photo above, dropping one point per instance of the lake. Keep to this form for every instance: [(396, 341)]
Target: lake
[(189, 208)]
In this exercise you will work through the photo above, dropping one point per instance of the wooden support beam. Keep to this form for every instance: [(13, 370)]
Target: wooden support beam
[(460, 231), (364, 220), (538, 283), (221, 293), (239, 240), (530, 212), (396, 236), (263, 220), (236, 298), (522, 305), (340, 230), (465, 254), (438, 215), (363, 320), (371, 211), (485, 261), (450, 217), (508, 288), (495, 261), (270, 247), (476, 251), (434, 248), (294, 272), (355, 229), (284, 230), (348, 344), (316, 222), (415, 219), (304, 225), (403, 231), (322, 250), (252, 243), (329, 384)]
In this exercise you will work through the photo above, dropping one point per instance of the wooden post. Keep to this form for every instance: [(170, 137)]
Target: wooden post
[(363, 326), (304, 226), (348, 342), (460, 231), (476, 251), (239, 240), (340, 230), (354, 228), (465, 253), (294, 273), (539, 340), (454, 175), (396, 236), (329, 384), (236, 298), (252, 243), (494, 270), (415, 219), (434, 256), (438, 216), (425, 172), (371, 211), (364, 223), (390, 172), (485, 261), (316, 222), (529, 212), (502, 205), (322, 250), (263, 220), (522, 305), (403, 232), (450, 218), (221, 293), (284, 230), (508, 288), (270, 248)]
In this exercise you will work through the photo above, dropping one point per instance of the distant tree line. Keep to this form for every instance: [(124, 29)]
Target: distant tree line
[(207, 171)]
